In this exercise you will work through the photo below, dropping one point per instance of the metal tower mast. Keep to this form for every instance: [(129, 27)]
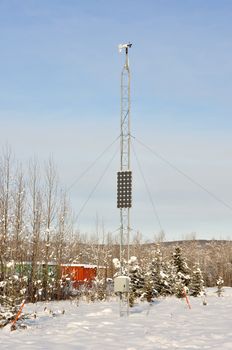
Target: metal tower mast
[(124, 187), (125, 154)]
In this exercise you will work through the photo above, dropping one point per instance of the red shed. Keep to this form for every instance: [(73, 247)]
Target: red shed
[(79, 272)]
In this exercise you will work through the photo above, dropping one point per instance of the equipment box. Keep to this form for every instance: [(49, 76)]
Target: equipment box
[(121, 284)]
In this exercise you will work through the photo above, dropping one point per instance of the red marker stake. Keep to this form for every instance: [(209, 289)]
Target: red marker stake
[(186, 298), (18, 314)]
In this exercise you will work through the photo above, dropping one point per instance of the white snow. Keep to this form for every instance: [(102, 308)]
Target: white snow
[(166, 324), (10, 264)]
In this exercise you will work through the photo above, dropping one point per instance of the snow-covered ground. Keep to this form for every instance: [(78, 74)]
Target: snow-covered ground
[(167, 324)]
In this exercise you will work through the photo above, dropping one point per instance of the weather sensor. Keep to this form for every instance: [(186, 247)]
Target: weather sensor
[(124, 46)]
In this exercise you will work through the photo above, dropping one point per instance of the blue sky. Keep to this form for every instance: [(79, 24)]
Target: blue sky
[(60, 94)]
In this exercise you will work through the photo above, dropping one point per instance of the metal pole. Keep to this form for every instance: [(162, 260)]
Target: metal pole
[(125, 141), (124, 189)]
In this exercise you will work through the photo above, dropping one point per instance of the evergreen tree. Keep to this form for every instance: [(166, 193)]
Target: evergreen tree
[(158, 279), (157, 272), (168, 278), (136, 280), (196, 286), (182, 272), (160, 274), (149, 290)]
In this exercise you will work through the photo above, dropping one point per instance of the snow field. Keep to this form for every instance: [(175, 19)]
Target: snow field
[(166, 324)]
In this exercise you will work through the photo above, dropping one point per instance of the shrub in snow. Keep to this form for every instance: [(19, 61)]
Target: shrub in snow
[(116, 263), (12, 292), (99, 289), (220, 284), (117, 266)]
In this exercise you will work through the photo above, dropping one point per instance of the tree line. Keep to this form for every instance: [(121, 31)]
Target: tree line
[(37, 226)]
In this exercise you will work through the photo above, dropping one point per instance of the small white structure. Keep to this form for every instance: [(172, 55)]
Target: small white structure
[(121, 284)]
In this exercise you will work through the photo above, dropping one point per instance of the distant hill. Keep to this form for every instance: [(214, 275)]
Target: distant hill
[(201, 242)]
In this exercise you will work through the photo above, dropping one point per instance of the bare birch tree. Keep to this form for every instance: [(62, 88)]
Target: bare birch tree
[(50, 192), (5, 173), (19, 216), (35, 218)]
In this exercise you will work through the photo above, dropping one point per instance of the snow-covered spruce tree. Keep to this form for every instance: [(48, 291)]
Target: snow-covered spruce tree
[(220, 284), (152, 280), (168, 278), (149, 292), (161, 273), (196, 286), (136, 280), (156, 272), (182, 272)]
